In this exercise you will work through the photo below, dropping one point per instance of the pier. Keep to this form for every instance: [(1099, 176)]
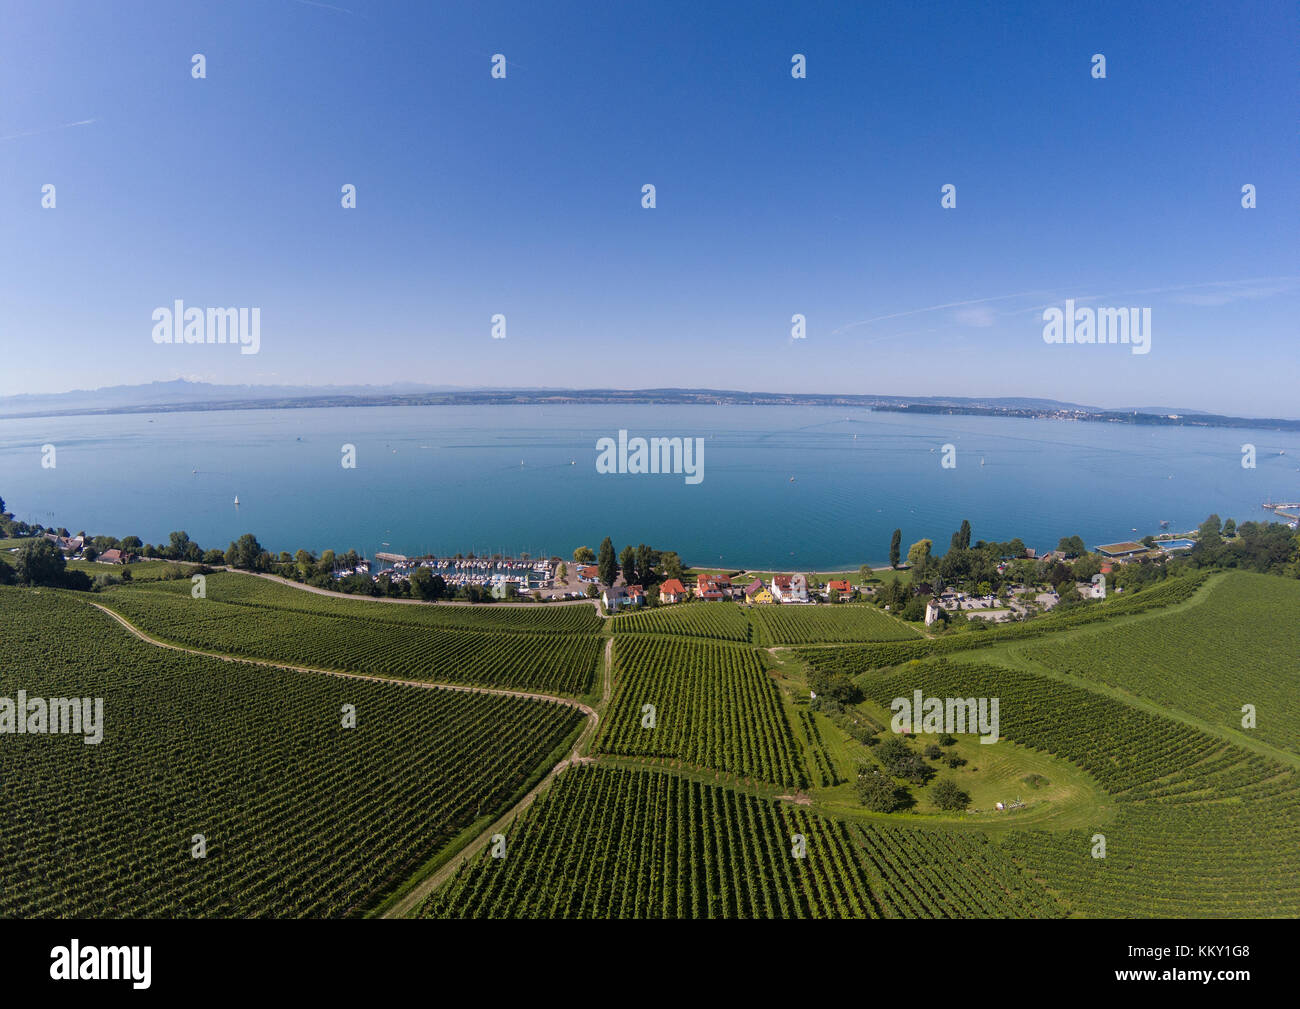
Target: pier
[(1287, 509)]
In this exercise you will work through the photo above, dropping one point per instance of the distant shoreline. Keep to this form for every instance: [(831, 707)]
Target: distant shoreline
[(1022, 408)]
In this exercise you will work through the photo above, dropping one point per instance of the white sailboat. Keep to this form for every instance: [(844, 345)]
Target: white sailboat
[(236, 500)]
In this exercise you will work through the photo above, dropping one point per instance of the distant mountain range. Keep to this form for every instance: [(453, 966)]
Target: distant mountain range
[(183, 395)]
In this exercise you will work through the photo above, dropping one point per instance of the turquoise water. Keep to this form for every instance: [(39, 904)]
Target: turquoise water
[(500, 479)]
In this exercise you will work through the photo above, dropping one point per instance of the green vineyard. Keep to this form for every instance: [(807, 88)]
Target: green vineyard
[(644, 844), (715, 707), (552, 663), (1181, 659), (853, 660), (1220, 860), (721, 620), (301, 817), (1130, 752), (266, 593), (802, 625)]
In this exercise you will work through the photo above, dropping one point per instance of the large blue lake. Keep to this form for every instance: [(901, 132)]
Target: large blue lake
[(524, 478)]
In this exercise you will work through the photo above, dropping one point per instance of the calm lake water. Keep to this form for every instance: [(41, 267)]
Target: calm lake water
[(523, 478)]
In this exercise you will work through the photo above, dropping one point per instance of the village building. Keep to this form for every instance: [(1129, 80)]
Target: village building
[(841, 586), (672, 591), (790, 588), (933, 612), (713, 587), (1121, 550), (614, 598), (589, 573), (757, 592)]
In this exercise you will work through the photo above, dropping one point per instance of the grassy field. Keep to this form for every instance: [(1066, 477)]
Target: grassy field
[(301, 817)]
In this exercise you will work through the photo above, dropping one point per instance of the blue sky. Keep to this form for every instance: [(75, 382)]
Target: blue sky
[(775, 196)]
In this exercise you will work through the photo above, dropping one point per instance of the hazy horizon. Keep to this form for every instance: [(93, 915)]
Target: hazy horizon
[(410, 388), (776, 196)]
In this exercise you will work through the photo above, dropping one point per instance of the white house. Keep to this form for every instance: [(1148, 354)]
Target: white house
[(790, 588)]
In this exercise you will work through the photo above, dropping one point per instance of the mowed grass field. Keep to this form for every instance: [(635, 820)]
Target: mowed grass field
[(1238, 645), (301, 817), (531, 649)]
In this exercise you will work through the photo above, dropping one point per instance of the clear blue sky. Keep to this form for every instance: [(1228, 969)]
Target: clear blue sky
[(775, 196)]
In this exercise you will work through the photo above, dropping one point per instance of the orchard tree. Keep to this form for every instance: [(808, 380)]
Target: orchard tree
[(878, 792), (948, 796)]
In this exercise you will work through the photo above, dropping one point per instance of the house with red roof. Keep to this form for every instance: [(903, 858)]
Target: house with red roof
[(672, 591), (713, 587), (790, 588)]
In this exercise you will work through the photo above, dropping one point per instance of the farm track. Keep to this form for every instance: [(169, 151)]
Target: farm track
[(404, 906), (408, 903), (425, 684)]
